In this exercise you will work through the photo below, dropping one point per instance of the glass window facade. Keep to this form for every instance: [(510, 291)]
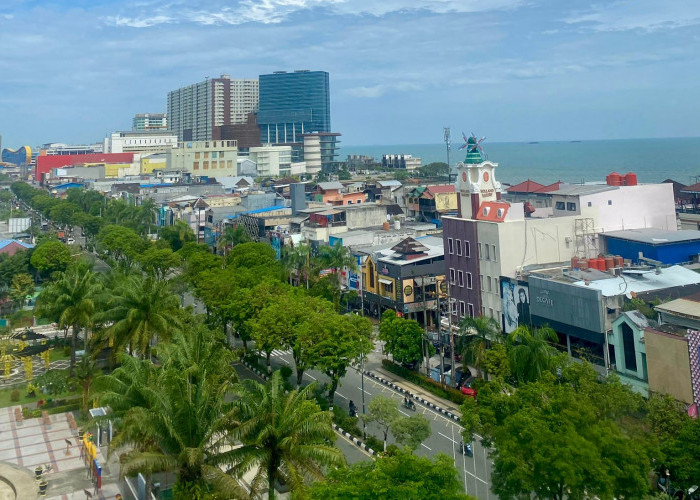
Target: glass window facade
[(292, 104)]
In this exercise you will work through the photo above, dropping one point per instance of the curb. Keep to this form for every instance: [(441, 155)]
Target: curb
[(253, 369), (424, 402), (356, 441)]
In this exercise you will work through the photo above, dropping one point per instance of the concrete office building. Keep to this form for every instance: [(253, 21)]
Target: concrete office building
[(204, 158), (144, 141), (198, 112), (320, 150), (149, 121), (293, 104)]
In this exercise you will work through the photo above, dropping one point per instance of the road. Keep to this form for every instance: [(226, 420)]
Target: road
[(474, 471)]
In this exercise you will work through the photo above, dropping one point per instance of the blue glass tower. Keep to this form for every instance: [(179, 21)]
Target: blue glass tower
[(292, 104)]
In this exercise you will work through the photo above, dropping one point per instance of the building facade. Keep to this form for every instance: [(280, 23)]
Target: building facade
[(145, 141), (21, 156), (293, 104), (199, 111), (204, 158), (149, 121)]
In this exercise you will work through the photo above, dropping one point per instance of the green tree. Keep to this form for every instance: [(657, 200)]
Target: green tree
[(435, 169), (285, 435), (665, 415), (346, 338), (122, 244), (231, 237), (681, 454), (411, 431), (470, 419), (404, 337), (159, 262), (551, 441), (496, 361), (400, 476), (11, 265), (62, 212), (253, 255), (477, 334), (531, 353), (382, 411), (141, 309), (177, 235), (337, 258), (22, 286), (71, 299), (247, 301), (50, 256)]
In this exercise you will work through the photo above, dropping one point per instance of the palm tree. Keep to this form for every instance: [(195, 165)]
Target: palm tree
[(477, 334), (231, 237), (146, 215), (141, 309), (176, 417), (71, 299), (531, 353), (86, 371), (286, 437), (336, 258)]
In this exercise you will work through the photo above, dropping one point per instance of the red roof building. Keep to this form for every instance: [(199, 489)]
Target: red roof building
[(44, 164)]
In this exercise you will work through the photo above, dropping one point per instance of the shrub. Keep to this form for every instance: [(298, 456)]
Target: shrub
[(29, 413), (14, 396), (346, 422), (286, 372), (426, 383), (66, 351), (374, 443), (52, 382)]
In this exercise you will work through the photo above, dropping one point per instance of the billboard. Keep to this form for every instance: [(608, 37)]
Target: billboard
[(567, 304), (515, 300)]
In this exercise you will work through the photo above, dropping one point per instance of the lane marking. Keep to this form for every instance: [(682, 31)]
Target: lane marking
[(430, 449), (311, 376), (339, 394), (364, 391), (447, 437), (404, 413)]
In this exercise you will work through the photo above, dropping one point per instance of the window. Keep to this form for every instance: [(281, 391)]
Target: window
[(349, 202), (196, 156), (481, 282), (206, 155), (570, 207), (460, 278), (452, 276), (590, 203), (462, 309), (483, 311), (205, 166), (493, 252), (486, 249), (213, 154), (195, 165), (488, 284), (370, 272), (459, 247), (469, 280), (450, 245), (609, 202), (480, 254), (490, 312), (471, 310), (467, 249), (559, 205), (454, 307)]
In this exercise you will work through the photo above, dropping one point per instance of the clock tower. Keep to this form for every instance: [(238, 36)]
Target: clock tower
[(476, 182)]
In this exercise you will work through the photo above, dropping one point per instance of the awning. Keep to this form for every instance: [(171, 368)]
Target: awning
[(386, 281)]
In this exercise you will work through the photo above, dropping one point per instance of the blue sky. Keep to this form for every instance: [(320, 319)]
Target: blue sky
[(514, 70)]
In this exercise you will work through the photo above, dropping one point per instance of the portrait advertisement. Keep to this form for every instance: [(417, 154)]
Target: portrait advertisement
[(515, 297)]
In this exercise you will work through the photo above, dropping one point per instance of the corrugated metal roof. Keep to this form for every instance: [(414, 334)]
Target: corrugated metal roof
[(669, 277), (654, 236), (4, 243), (681, 306)]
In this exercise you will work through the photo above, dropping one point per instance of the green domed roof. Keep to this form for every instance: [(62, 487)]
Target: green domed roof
[(473, 152)]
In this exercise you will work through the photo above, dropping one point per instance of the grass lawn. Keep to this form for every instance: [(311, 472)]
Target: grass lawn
[(57, 354), (23, 399)]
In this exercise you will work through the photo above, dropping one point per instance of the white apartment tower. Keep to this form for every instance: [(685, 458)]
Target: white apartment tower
[(200, 111)]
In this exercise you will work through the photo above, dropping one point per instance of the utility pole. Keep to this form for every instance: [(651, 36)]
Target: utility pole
[(446, 136), (425, 319), (452, 337), (442, 344)]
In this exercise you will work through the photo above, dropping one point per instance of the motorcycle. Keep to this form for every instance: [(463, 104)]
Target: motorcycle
[(465, 449), (408, 404), (352, 411)]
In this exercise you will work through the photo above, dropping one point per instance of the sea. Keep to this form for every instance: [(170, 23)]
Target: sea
[(653, 160)]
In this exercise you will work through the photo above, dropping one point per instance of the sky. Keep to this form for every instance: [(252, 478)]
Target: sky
[(400, 70)]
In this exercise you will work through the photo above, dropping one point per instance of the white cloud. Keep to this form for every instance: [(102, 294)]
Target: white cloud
[(645, 15), (276, 11), (382, 88), (140, 22)]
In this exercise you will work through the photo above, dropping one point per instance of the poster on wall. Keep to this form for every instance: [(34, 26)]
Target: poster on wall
[(515, 297)]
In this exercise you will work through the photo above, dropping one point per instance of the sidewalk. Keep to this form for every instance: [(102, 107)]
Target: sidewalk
[(419, 391)]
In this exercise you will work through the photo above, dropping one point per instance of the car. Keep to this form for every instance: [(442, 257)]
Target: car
[(70, 241)]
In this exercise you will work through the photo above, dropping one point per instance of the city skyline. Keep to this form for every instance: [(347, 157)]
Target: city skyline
[(514, 70)]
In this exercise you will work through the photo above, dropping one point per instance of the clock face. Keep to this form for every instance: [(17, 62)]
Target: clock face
[(464, 177), (486, 176)]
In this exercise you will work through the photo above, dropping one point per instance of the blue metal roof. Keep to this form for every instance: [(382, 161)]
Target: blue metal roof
[(68, 185), (165, 184), (4, 243)]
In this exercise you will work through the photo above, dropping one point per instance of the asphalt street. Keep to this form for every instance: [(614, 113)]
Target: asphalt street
[(445, 438)]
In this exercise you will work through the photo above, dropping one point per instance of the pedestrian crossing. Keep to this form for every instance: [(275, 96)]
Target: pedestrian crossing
[(277, 352)]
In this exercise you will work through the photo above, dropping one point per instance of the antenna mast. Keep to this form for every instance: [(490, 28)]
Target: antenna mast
[(446, 135)]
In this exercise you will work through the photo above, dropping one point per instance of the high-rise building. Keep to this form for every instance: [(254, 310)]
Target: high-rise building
[(198, 112), (149, 121), (293, 104)]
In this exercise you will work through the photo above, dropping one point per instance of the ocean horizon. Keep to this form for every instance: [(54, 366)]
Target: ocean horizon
[(653, 160)]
